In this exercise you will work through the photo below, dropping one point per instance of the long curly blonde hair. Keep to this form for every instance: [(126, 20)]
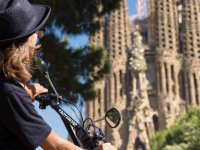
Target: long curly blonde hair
[(16, 61)]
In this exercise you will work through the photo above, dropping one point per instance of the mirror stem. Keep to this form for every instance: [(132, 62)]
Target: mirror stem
[(49, 80), (99, 119)]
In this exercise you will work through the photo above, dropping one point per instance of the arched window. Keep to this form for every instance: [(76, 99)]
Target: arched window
[(155, 122), (139, 145)]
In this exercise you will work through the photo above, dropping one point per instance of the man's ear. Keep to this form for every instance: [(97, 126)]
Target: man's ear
[(32, 39)]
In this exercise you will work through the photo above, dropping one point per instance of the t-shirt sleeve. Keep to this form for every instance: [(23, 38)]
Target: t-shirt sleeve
[(20, 117)]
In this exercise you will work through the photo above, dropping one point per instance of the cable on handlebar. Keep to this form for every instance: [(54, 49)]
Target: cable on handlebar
[(44, 99), (69, 102)]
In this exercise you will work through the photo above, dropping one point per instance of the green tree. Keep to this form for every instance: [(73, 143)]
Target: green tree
[(77, 16), (73, 70), (184, 134)]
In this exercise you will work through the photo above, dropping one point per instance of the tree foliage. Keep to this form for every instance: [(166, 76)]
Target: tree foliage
[(77, 16), (74, 70), (184, 134)]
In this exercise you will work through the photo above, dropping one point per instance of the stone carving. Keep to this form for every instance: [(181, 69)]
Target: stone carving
[(136, 60), (139, 109)]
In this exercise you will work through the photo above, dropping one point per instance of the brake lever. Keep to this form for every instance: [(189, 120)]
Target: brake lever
[(45, 99)]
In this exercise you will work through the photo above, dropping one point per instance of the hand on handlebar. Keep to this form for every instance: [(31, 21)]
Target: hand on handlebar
[(34, 89), (105, 146)]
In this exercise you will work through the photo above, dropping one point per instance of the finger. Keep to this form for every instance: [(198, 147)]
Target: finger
[(41, 90), (105, 146)]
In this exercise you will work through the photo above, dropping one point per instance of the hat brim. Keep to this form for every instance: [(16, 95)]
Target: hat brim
[(42, 14)]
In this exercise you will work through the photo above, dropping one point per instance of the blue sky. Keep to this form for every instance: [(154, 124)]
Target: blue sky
[(49, 115)]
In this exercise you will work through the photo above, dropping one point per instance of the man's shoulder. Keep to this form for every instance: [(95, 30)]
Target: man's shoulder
[(8, 86)]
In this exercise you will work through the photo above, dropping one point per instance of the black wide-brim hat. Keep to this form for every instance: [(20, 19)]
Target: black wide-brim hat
[(19, 19)]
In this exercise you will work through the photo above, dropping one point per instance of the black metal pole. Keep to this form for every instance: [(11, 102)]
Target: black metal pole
[(68, 122), (71, 133)]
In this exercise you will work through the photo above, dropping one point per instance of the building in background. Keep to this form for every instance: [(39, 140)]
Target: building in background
[(141, 9), (155, 68)]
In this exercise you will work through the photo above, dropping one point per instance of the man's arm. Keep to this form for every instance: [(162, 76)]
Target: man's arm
[(54, 142)]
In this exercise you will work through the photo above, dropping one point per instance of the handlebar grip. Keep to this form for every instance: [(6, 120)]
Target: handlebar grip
[(86, 140), (99, 135), (45, 99)]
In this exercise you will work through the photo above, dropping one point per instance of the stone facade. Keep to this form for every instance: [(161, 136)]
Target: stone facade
[(191, 51), (150, 81)]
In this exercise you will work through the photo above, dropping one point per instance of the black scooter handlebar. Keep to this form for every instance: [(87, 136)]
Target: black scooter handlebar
[(82, 135)]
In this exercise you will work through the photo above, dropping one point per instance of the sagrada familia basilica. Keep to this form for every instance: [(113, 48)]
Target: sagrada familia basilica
[(154, 69)]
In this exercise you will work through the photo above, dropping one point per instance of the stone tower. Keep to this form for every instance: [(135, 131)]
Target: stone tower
[(97, 106), (111, 92), (167, 48), (191, 51), (118, 44)]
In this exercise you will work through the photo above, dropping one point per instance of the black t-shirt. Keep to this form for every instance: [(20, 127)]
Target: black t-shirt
[(21, 127)]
